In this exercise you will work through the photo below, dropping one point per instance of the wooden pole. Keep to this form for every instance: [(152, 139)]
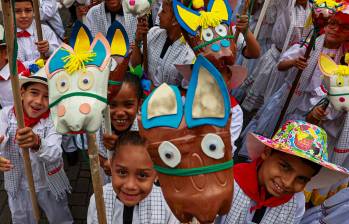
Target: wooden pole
[(294, 84), (38, 22), (145, 49), (10, 31), (96, 178)]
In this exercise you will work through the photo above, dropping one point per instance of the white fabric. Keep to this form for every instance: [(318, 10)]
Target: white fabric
[(47, 158), (97, 20), (6, 97), (57, 212), (153, 209), (236, 123), (27, 50), (49, 15), (239, 211), (163, 69)]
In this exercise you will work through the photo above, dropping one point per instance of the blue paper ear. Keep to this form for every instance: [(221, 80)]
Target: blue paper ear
[(118, 39), (81, 37), (202, 63), (101, 47), (172, 120), (55, 62)]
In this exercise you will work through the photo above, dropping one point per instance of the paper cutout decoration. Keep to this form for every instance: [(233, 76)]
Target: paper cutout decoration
[(78, 81), (208, 32), (191, 149), (337, 81), (137, 7)]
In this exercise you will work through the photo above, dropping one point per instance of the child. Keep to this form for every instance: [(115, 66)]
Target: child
[(49, 15), (29, 48), (131, 197), (265, 189), (166, 48), (6, 98), (290, 25), (310, 89), (40, 138), (123, 111), (101, 16)]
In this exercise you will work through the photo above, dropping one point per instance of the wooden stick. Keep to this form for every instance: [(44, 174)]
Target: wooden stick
[(10, 31), (294, 84), (38, 22), (96, 178), (145, 50)]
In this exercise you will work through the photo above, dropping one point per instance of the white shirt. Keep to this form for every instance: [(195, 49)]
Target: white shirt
[(49, 15), (27, 49), (6, 97), (49, 152)]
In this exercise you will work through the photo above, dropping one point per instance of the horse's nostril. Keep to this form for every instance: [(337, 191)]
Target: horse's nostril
[(85, 108)]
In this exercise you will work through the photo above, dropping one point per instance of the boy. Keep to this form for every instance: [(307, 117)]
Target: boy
[(101, 16), (6, 98), (265, 189), (131, 197), (29, 48), (40, 138), (49, 15), (166, 48)]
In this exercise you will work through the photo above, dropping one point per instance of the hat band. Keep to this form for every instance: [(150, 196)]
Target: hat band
[(92, 95), (195, 171), (37, 77)]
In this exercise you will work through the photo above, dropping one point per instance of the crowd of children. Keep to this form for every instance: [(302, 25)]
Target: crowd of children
[(298, 174)]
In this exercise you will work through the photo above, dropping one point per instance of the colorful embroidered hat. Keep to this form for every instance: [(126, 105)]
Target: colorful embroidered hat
[(305, 140)]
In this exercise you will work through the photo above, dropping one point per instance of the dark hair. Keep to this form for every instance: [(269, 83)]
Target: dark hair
[(27, 84), (129, 138), (135, 82), (31, 1)]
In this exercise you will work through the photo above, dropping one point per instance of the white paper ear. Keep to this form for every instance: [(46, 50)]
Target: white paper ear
[(162, 102), (208, 100)]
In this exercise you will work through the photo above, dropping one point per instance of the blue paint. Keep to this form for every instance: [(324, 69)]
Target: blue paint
[(225, 43), (215, 47)]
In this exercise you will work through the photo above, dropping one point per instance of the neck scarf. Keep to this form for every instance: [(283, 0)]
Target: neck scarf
[(23, 33), (245, 174), (31, 122)]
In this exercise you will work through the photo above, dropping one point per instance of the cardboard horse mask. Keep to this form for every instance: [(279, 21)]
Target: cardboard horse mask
[(190, 144), (337, 81), (78, 78), (208, 32)]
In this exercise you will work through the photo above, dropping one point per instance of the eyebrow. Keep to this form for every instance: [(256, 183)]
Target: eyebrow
[(141, 169), (286, 163)]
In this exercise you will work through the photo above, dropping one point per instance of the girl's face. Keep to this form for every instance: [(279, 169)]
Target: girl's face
[(124, 107), (132, 174)]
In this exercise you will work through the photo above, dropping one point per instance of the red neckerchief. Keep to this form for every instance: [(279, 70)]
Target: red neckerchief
[(23, 33), (31, 122), (245, 174)]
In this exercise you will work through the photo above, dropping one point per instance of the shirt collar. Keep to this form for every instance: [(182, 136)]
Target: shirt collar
[(30, 29)]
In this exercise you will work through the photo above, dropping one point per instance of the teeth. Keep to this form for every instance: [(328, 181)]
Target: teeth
[(120, 121), (278, 187)]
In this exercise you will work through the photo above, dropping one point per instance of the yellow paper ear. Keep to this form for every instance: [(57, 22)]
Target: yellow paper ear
[(82, 42), (190, 19), (118, 44), (221, 7), (327, 65)]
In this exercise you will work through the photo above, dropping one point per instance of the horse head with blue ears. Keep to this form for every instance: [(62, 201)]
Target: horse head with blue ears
[(78, 77)]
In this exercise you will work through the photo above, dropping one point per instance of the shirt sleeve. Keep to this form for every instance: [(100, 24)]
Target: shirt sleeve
[(51, 37), (48, 9), (235, 125), (300, 209), (92, 211), (295, 51), (3, 128), (50, 149)]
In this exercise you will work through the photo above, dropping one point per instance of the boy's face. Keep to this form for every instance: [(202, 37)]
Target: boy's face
[(3, 56), (281, 173), (337, 32), (132, 174), (113, 5), (166, 16), (35, 99), (124, 108), (24, 14)]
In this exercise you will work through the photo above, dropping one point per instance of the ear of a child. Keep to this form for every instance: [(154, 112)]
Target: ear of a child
[(266, 153)]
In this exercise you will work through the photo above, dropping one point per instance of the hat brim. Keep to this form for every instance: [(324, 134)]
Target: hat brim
[(328, 175), (35, 79)]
